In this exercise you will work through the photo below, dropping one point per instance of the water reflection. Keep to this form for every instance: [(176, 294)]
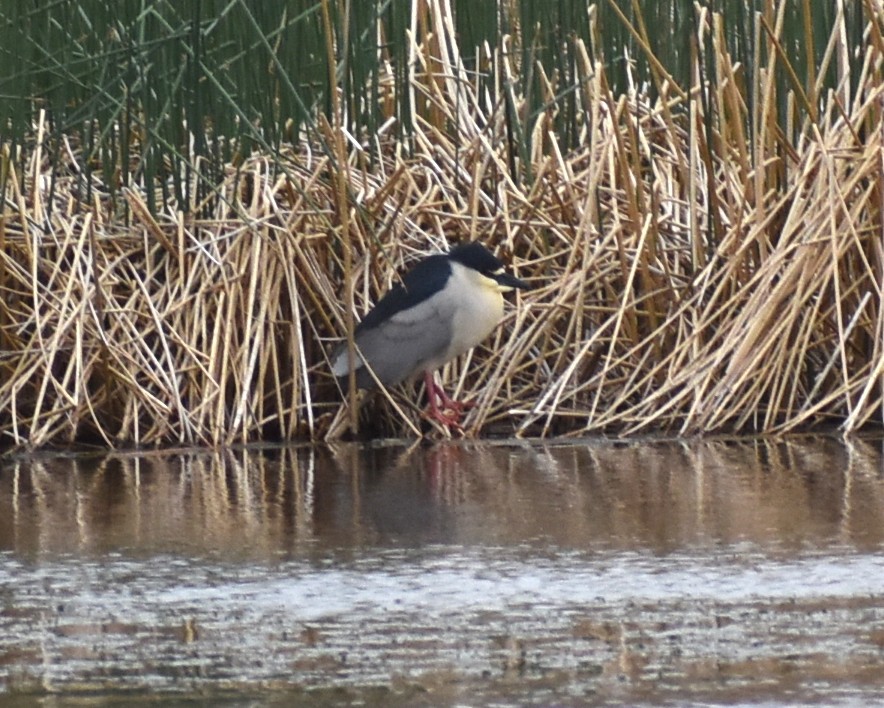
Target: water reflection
[(294, 501), (506, 573)]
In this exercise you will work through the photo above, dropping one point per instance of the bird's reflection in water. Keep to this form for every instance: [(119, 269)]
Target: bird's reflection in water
[(306, 500), (635, 571)]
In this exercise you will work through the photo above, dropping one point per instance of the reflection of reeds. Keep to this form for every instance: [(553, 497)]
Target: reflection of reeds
[(687, 277), (304, 501), (248, 502)]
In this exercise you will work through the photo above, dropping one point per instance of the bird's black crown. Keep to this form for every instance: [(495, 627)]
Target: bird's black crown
[(474, 255)]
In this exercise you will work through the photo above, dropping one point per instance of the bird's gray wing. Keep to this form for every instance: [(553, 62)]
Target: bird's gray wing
[(403, 344)]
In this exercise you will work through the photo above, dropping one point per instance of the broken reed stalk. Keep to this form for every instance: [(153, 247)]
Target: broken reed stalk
[(687, 276)]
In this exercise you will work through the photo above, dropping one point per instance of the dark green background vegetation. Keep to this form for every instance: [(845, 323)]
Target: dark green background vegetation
[(145, 88)]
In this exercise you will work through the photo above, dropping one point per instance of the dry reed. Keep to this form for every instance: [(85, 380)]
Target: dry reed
[(686, 277)]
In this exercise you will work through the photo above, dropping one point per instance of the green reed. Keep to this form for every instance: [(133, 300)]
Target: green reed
[(164, 94)]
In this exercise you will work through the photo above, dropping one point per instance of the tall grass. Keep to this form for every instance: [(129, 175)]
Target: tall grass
[(165, 94), (703, 228)]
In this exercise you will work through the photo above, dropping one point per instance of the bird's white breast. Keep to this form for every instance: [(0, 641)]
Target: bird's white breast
[(478, 308)]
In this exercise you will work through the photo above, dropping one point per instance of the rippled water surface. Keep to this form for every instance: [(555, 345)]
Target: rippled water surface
[(697, 572)]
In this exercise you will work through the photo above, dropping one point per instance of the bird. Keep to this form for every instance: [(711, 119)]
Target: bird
[(444, 306)]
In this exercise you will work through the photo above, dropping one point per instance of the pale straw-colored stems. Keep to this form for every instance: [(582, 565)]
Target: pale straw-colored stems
[(691, 271)]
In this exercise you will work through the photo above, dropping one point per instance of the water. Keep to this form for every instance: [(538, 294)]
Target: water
[(745, 572)]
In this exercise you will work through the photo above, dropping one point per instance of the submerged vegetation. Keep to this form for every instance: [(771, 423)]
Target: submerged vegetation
[(696, 198)]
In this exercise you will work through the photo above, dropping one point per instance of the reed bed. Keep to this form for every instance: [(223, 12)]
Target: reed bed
[(696, 266)]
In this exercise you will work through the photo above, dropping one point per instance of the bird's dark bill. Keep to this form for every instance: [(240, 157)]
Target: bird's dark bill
[(511, 281)]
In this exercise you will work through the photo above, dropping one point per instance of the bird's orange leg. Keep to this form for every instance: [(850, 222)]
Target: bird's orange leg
[(450, 404), (434, 412)]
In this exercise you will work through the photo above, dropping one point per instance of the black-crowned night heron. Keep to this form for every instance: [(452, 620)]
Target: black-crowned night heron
[(445, 305)]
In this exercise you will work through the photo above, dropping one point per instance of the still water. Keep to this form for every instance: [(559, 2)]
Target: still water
[(507, 573)]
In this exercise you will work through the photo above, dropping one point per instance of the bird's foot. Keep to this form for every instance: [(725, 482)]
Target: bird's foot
[(446, 401), (442, 408), (447, 417), (449, 404)]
